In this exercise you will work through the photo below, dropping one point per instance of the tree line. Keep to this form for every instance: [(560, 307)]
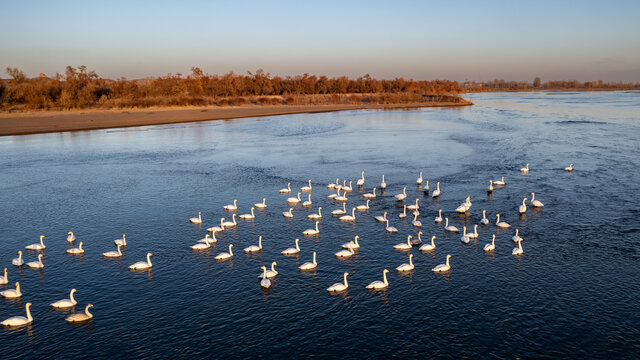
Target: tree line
[(537, 84)]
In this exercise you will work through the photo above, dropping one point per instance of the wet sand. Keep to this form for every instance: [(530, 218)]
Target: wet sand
[(56, 121)]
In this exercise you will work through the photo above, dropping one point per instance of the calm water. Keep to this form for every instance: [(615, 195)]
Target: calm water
[(574, 292)]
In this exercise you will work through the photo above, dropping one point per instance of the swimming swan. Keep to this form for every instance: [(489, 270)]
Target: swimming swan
[(262, 205), (436, 192), (428, 247), (371, 195), (308, 202), (70, 237), (518, 251), (66, 303), (12, 293), (419, 180), (443, 267), (224, 255), (449, 228), (351, 217), (122, 241), (306, 188), (403, 195), (316, 216), (383, 185), (337, 287), (311, 232), (76, 251), (113, 254), (265, 283), (332, 185), (484, 220), (490, 188), (525, 169), (499, 182), (438, 218), (230, 224), (363, 207), (18, 261), (347, 188), (253, 248), (37, 246), (382, 218), (414, 207), (523, 208), (288, 214), (345, 253), (403, 214), (416, 222), (294, 200), (292, 251), (406, 267), (501, 224), (81, 317), (492, 246), (202, 245), (379, 285), (352, 244), (197, 220), (569, 168), (36, 264), (340, 212), (534, 202), (404, 246), (287, 190), (142, 265), (5, 279), (360, 181), (232, 207), (465, 238), (248, 216), (516, 237), (273, 272), (19, 320), (309, 265), (390, 229)]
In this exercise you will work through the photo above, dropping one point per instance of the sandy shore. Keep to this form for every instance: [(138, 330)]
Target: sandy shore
[(56, 121)]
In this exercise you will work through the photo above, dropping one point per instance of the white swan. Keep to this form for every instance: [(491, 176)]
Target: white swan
[(19, 320), (332, 185), (341, 198), (406, 267), (12, 293), (288, 214), (232, 207), (404, 246), (265, 283), (253, 248), (569, 168), (225, 255), (490, 188), (122, 241), (534, 202), (465, 206), (36, 246), (403, 195), (248, 216), (215, 229), (518, 251), (474, 234), (390, 229), (417, 241), (309, 265), (363, 207), (501, 224), (209, 240), (516, 237), (465, 238), (523, 208), (262, 205), (202, 245), (352, 244), (230, 224), (292, 251), (415, 206), (371, 195), (306, 188), (484, 220), (449, 228), (382, 218), (403, 214), (311, 232), (113, 254), (5, 279), (66, 303), (360, 181), (429, 247), (76, 251), (81, 317), (416, 222), (426, 187), (436, 192), (273, 272), (499, 182), (70, 237), (438, 218), (379, 285), (443, 267), (492, 246), (351, 217), (347, 188), (294, 200), (308, 202), (36, 264), (142, 265), (419, 180), (333, 196), (316, 216), (18, 261), (287, 190), (383, 185), (339, 211), (346, 253), (196, 220), (337, 287), (525, 169)]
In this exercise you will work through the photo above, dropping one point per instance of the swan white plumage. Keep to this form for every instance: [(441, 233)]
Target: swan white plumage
[(404, 246), (230, 224), (36, 264), (525, 169), (142, 265), (534, 202), (484, 220), (81, 317), (316, 216), (465, 206), (406, 267), (449, 228), (341, 198), (215, 229), (516, 237), (523, 207), (273, 272), (465, 238), (5, 279), (339, 211), (347, 188), (18, 261), (518, 250), (403, 214), (390, 229), (306, 188), (288, 214), (352, 244), (419, 180), (474, 234), (416, 222), (196, 220), (122, 241), (208, 239), (346, 253), (371, 195), (287, 190), (202, 245), (403, 195), (499, 182), (66, 303), (292, 251), (232, 207), (382, 218), (438, 218), (248, 216), (12, 293), (426, 187), (113, 254), (332, 185), (344, 185), (265, 283), (19, 320), (418, 240), (262, 205), (307, 202), (36, 246), (309, 265), (415, 206), (379, 285), (294, 200), (383, 185), (311, 232), (492, 246), (490, 188), (225, 255), (363, 207), (70, 237), (501, 224), (254, 248), (337, 287), (351, 217), (429, 247), (436, 192), (76, 251), (360, 181), (443, 267), (569, 168)]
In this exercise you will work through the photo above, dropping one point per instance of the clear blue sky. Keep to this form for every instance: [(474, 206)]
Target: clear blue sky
[(481, 40)]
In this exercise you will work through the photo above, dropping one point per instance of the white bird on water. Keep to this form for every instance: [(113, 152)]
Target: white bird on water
[(436, 192), (309, 265), (349, 218), (265, 283), (287, 190), (36, 264), (19, 320), (406, 267), (360, 181), (419, 180), (415, 206), (215, 229), (438, 218), (311, 232), (225, 255), (308, 201), (292, 251), (142, 265), (81, 317), (196, 220), (404, 246), (403, 214), (569, 168), (122, 241), (379, 285), (37, 246), (230, 224), (449, 228), (316, 216), (490, 188), (337, 287), (383, 185), (429, 247), (534, 202), (76, 251), (262, 205), (248, 216), (346, 253), (254, 248), (492, 246), (523, 207), (306, 188), (516, 237), (352, 244), (332, 186), (5, 279), (416, 222), (12, 293), (499, 182), (288, 214), (484, 220), (66, 303), (202, 245), (18, 261), (363, 207), (443, 267), (232, 207), (294, 200), (501, 224), (371, 195), (525, 169), (390, 229), (340, 211), (518, 251), (273, 272), (403, 195), (113, 254), (70, 237), (382, 218)]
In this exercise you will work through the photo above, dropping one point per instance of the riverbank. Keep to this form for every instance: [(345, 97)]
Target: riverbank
[(34, 122)]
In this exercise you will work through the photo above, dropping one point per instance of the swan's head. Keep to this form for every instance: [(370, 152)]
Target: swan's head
[(40, 257), (433, 237), (19, 253), (385, 270), (409, 237), (41, 237), (27, 305), (346, 274), (222, 219), (89, 306), (80, 244), (73, 290), (320, 208), (149, 254), (448, 256), (70, 233), (230, 246), (297, 241), (419, 233), (263, 267), (17, 286), (274, 264), (410, 256), (123, 236), (525, 199)]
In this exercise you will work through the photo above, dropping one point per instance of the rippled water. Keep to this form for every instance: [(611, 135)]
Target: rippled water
[(572, 294)]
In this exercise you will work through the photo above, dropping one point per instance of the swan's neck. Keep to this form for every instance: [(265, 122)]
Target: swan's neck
[(432, 239), (124, 240), (230, 251), (411, 260), (80, 246), (29, 318), (498, 218), (314, 258), (382, 177), (345, 280), (298, 246), (40, 259), (409, 240), (404, 191), (19, 257), (317, 226), (149, 259), (523, 200), (438, 186), (319, 212), (355, 243), (41, 243), (353, 212), (484, 214), (384, 278), (475, 230), (533, 197), (260, 242), (516, 232), (446, 222), (464, 231), (520, 244), (119, 252), (252, 212), (73, 300), (289, 186), (447, 261), (415, 217), (264, 272), (344, 207), (493, 241), (264, 201), (86, 311)]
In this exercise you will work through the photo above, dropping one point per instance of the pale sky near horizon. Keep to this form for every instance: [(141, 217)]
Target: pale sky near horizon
[(475, 40)]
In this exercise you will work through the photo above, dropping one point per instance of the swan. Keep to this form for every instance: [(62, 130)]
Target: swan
[(197, 220), (371, 195), (569, 168), (209, 240), (333, 196), (534, 202), (36, 264), (379, 285), (12, 293), (225, 255), (287, 190), (5, 279), (202, 245), (37, 246), (352, 244), (273, 272), (417, 241), (262, 205), (309, 265), (403, 214), (142, 265), (337, 287), (518, 251), (113, 254), (341, 187), (428, 247), (525, 169), (81, 317), (232, 207), (438, 218), (230, 224), (448, 227), (474, 234), (292, 251), (122, 241), (253, 248), (248, 216), (383, 185), (363, 207), (351, 217), (523, 208), (414, 207), (347, 188), (415, 221), (288, 214), (360, 181), (341, 198), (465, 239), (465, 206), (19, 320), (316, 216), (76, 251), (215, 229), (406, 267), (18, 261), (436, 192), (294, 200), (484, 220), (265, 283), (340, 212), (501, 224), (70, 237), (390, 229), (499, 182), (332, 185), (346, 253), (490, 189), (306, 188), (65, 303), (307, 202), (419, 180), (426, 187), (404, 246), (402, 196), (492, 246), (443, 267), (516, 237), (311, 232), (382, 218)]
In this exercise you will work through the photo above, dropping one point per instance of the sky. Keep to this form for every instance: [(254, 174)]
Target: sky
[(424, 40)]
